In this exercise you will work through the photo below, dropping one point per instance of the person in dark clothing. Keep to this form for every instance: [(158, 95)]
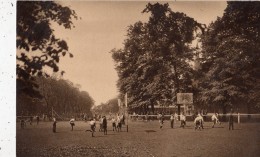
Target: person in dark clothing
[(54, 125), (231, 121), (105, 125), (37, 119), (31, 120), (22, 122)]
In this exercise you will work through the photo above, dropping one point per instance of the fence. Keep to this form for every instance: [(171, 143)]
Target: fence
[(239, 117)]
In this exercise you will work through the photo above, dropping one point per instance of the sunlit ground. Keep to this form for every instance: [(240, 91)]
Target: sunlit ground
[(143, 139)]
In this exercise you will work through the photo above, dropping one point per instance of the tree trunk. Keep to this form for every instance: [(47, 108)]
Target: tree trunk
[(177, 86)]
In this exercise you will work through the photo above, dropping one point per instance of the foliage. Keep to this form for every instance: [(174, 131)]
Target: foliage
[(37, 46), (231, 47), (154, 64), (110, 107), (61, 95)]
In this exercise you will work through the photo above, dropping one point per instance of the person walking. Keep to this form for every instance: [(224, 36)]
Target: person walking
[(105, 125)]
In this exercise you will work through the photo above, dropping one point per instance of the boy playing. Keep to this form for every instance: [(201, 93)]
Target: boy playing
[(214, 119), (72, 123), (183, 120), (198, 122), (92, 126)]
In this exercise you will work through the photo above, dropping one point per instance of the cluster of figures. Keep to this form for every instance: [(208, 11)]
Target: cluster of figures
[(116, 124), (24, 121), (198, 121)]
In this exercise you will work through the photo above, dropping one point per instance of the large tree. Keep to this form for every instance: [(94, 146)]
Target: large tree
[(154, 64), (37, 46), (231, 50)]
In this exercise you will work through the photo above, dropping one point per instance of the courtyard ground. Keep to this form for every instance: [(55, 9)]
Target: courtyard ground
[(144, 139)]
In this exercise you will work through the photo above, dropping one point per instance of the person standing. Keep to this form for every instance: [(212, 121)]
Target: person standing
[(101, 123), (37, 119), (72, 123), (160, 120), (183, 120), (113, 123), (22, 122), (231, 121), (31, 120), (105, 125), (54, 125), (172, 120), (119, 123)]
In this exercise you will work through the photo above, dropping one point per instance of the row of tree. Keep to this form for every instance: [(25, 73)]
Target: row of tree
[(110, 107), (57, 95), (156, 61)]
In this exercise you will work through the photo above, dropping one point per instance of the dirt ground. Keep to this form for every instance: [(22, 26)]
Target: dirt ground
[(143, 139)]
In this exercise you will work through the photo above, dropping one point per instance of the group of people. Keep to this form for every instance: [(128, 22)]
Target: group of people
[(198, 120), (23, 121), (116, 124)]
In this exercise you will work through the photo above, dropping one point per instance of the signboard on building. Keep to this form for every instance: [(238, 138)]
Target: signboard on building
[(184, 98)]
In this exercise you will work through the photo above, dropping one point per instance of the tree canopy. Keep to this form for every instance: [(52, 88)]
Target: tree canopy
[(231, 47), (37, 46), (154, 64)]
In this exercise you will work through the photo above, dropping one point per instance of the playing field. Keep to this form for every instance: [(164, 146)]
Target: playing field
[(144, 139)]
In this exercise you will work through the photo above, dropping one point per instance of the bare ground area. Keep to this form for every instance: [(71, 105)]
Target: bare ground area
[(144, 139)]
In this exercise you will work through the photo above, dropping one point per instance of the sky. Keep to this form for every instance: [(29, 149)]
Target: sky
[(103, 27)]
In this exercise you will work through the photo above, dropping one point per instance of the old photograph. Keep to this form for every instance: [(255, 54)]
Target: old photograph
[(137, 78)]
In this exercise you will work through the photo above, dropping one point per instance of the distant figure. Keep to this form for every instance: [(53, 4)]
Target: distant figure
[(92, 126), (31, 120), (119, 123), (214, 119), (175, 116), (23, 124), (101, 123), (202, 120), (160, 120), (37, 119), (105, 125), (113, 123), (231, 121), (198, 122), (183, 120), (146, 117), (72, 123), (54, 125), (172, 120)]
